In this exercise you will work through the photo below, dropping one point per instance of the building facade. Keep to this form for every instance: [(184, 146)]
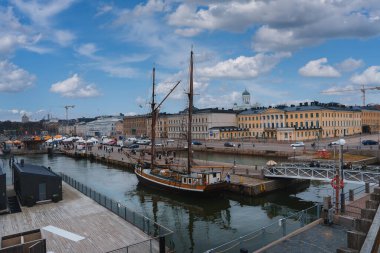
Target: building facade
[(135, 126), (202, 123), (303, 122), (370, 119), (103, 127)]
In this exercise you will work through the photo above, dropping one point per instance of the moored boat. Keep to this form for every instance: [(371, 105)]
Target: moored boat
[(201, 180)]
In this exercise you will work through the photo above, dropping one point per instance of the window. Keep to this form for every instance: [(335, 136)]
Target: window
[(296, 116), (301, 116), (306, 115)]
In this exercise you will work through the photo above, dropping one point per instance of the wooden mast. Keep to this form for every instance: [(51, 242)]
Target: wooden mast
[(154, 117), (189, 125)]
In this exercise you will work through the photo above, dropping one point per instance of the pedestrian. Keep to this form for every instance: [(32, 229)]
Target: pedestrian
[(228, 178)]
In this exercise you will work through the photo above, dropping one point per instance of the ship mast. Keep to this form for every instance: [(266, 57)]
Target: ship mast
[(154, 117), (190, 94)]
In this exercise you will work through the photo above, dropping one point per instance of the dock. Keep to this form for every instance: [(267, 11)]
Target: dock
[(102, 230)]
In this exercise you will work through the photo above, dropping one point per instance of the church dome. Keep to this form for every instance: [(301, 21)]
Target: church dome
[(245, 92)]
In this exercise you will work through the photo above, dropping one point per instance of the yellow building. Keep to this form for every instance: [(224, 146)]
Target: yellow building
[(303, 122), (371, 119)]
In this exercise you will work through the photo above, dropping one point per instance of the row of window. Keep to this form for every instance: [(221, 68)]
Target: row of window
[(300, 115), (180, 121)]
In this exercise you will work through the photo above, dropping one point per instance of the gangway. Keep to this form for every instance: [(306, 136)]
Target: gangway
[(322, 173)]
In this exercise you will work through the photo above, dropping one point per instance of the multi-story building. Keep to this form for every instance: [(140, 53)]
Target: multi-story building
[(203, 121), (303, 122), (161, 126), (135, 125), (370, 119), (105, 126)]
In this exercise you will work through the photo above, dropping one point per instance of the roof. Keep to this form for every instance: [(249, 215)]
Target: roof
[(245, 92), (35, 169), (227, 128)]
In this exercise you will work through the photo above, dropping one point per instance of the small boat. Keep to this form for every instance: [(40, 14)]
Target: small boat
[(199, 180)]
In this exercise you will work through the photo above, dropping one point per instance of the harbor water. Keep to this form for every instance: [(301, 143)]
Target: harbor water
[(198, 224)]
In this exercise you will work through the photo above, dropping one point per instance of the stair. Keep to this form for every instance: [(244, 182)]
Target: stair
[(356, 237), (13, 205)]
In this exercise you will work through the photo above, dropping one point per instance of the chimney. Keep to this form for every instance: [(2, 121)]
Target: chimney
[(300, 104)]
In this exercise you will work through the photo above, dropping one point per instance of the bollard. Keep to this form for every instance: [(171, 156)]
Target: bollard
[(283, 224), (351, 195), (366, 187)]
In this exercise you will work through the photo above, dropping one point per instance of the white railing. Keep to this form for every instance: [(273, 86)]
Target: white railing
[(323, 174)]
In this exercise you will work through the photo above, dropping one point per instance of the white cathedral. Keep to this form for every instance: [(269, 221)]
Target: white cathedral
[(246, 97)]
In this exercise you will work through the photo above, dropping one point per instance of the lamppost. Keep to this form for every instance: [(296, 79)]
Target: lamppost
[(341, 143), (294, 154)]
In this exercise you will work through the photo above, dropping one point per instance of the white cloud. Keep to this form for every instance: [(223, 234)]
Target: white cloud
[(243, 67), (223, 101), (88, 50), (13, 78), (103, 10), (74, 87), (282, 26), (64, 38), (350, 65), (336, 90), (188, 32), (41, 12), (318, 68), (370, 76)]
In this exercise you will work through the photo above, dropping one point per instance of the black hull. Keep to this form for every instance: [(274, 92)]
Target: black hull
[(218, 190)]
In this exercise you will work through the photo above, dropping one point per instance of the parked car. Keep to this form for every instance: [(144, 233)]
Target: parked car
[(132, 146), (229, 144), (143, 142), (369, 142), (197, 143), (298, 144)]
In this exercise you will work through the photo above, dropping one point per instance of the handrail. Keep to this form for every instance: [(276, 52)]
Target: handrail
[(148, 226), (281, 223)]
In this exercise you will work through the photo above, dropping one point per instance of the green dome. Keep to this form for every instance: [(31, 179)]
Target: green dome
[(246, 92)]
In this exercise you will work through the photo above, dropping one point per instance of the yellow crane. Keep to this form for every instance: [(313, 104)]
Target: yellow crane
[(363, 89)]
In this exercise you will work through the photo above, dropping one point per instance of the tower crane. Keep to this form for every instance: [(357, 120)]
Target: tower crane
[(67, 107), (363, 89)]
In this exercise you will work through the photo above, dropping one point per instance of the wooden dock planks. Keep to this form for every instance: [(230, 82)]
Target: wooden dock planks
[(103, 230)]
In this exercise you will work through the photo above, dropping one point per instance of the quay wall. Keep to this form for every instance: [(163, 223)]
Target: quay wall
[(260, 187)]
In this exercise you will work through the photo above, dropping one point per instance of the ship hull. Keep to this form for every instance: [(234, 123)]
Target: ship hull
[(179, 188)]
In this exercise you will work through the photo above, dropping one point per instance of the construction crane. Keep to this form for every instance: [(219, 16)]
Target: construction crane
[(363, 89), (67, 107)]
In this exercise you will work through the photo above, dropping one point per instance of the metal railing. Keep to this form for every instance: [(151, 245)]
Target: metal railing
[(265, 235), (318, 173), (160, 234)]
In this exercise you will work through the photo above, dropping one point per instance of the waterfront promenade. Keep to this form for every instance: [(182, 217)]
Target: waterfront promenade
[(102, 230), (320, 238)]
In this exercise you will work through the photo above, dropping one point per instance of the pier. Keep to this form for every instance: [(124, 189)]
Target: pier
[(101, 230), (245, 179)]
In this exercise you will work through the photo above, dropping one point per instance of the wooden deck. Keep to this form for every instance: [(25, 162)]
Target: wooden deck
[(103, 230)]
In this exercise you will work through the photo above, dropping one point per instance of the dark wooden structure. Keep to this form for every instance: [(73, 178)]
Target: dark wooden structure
[(33, 183), (30, 242)]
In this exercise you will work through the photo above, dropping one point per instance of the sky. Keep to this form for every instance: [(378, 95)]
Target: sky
[(99, 55)]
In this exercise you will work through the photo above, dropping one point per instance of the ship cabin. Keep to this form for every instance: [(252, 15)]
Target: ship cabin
[(200, 178)]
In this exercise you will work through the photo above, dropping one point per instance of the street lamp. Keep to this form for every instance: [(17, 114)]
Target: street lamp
[(294, 154), (341, 143)]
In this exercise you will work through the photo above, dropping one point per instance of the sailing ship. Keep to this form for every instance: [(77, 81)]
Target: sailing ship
[(199, 180)]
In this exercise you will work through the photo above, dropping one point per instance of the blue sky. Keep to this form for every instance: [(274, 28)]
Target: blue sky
[(98, 55)]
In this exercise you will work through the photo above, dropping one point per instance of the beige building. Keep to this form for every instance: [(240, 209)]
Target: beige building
[(303, 122), (370, 119), (135, 125), (203, 121)]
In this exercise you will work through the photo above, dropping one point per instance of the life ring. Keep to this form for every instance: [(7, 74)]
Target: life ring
[(335, 184)]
